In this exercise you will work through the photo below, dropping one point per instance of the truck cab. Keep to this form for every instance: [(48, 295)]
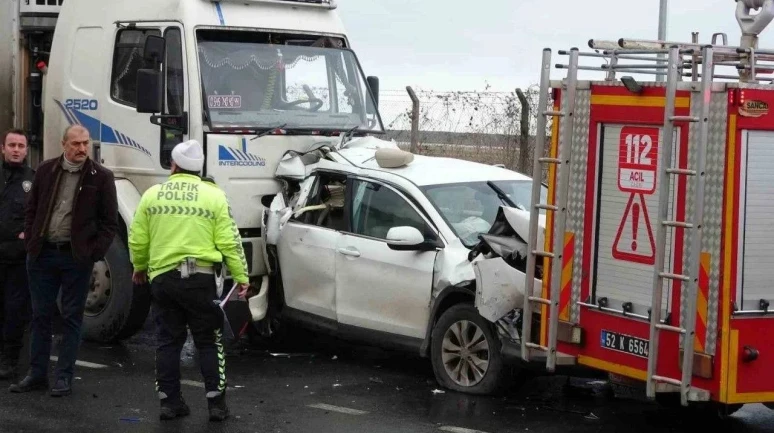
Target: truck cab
[(249, 79)]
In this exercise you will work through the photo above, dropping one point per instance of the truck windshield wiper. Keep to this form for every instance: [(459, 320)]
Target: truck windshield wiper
[(269, 131)]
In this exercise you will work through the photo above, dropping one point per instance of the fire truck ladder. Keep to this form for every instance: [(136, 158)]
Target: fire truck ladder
[(559, 207), (656, 383)]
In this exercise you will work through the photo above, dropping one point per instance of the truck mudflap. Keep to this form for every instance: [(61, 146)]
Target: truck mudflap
[(499, 263)]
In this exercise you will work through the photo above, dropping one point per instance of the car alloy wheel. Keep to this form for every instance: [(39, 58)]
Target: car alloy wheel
[(465, 353)]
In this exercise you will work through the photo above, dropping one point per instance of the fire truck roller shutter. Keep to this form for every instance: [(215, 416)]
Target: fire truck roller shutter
[(756, 210), (627, 220)]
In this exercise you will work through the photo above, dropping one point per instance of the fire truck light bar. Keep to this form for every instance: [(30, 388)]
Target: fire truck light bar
[(326, 4)]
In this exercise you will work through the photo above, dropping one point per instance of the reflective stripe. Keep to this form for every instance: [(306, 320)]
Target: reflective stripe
[(181, 210), (221, 361)]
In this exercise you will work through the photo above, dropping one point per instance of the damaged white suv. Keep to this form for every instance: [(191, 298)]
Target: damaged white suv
[(375, 244)]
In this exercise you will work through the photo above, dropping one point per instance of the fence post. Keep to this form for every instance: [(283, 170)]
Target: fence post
[(414, 119), (524, 160)]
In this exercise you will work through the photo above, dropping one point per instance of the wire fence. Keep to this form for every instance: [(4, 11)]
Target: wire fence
[(481, 126)]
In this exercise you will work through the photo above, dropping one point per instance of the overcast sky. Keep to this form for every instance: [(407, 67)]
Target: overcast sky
[(460, 45)]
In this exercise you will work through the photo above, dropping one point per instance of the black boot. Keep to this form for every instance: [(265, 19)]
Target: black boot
[(218, 409), (30, 383), (172, 409)]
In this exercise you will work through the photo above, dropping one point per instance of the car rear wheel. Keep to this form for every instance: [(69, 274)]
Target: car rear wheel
[(465, 352)]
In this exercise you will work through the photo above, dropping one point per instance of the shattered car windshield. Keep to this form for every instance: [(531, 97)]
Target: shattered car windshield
[(262, 85), (470, 208)]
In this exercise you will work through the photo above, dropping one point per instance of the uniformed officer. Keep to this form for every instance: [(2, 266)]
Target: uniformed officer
[(182, 229), (15, 307)]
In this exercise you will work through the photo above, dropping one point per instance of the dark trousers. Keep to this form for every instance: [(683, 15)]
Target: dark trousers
[(191, 302), (51, 270), (15, 310)]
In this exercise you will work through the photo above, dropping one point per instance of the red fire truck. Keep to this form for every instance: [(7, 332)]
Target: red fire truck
[(660, 234)]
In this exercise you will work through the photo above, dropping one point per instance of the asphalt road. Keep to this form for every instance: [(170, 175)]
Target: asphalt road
[(317, 384)]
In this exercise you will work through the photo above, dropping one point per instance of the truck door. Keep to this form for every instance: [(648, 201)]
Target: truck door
[(130, 143), (751, 322)]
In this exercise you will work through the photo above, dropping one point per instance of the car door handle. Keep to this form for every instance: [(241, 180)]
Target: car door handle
[(348, 252)]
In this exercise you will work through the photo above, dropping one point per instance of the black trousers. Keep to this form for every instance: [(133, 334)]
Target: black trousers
[(191, 302), (15, 309)]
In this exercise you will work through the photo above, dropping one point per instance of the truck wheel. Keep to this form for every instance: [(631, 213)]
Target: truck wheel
[(465, 352), (115, 308)]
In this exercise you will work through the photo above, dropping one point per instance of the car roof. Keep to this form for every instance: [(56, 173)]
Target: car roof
[(433, 170)]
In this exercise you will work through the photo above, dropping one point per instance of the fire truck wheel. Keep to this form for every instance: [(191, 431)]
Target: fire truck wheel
[(115, 308), (465, 352)]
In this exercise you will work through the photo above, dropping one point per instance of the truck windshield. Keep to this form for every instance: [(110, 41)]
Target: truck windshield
[(262, 85)]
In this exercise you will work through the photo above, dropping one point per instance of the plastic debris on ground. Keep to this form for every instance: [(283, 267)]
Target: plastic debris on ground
[(291, 355)]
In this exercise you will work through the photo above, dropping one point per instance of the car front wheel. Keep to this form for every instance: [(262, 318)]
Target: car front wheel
[(465, 352)]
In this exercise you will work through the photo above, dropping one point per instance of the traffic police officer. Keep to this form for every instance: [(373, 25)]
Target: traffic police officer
[(182, 229)]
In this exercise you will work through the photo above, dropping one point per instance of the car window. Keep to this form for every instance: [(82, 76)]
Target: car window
[(324, 206), (376, 209)]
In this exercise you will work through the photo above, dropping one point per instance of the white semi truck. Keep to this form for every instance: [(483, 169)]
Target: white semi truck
[(249, 79)]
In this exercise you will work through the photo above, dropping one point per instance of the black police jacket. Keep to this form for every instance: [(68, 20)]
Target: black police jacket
[(15, 183)]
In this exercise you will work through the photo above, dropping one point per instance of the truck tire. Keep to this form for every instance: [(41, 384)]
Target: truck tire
[(115, 308), (465, 353)]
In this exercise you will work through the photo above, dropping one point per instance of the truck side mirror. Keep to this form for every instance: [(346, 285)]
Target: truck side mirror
[(148, 91), (149, 96), (154, 50), (373, 85)]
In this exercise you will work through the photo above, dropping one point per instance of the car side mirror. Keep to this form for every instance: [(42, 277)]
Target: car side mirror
[(409, 239)]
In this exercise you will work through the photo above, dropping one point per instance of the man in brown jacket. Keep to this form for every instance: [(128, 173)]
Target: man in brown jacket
[(71, 219)]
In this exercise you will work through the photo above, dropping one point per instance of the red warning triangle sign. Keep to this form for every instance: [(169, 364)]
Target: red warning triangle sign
[(634, 241)]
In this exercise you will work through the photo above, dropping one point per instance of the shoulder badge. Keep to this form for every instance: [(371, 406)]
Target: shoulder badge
[(27, 186)]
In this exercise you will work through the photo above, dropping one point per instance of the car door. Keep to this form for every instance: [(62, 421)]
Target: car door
[(376, 287), (306, 250)]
